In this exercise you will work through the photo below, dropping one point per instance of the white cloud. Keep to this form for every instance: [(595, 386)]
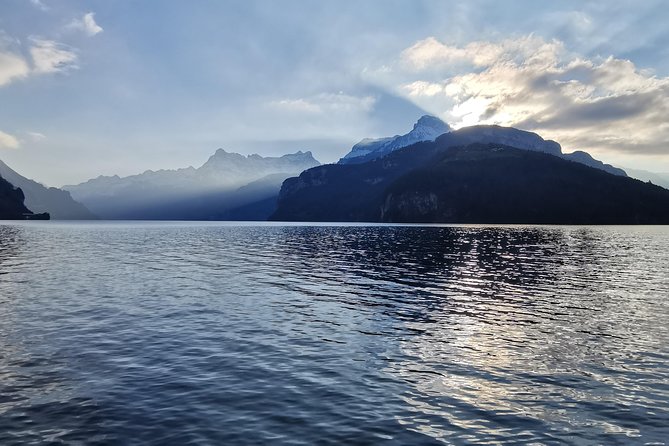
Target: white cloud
[(12, 67), (36, 136), (20, 59), (296, 105), (430, 53), (46, 56), (325, 103), (605, 104), (51, 57), (8, 141), (40, 4), (86, 24)]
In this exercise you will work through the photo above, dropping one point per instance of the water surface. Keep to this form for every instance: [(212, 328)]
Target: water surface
[(189, 333)]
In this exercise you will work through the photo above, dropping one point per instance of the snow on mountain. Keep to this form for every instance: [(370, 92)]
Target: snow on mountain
[(427, 128)]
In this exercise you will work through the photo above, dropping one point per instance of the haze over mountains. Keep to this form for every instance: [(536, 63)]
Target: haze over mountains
[(222, 184), (659, 178)]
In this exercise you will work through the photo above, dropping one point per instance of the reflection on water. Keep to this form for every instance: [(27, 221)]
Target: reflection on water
[(207, 333)]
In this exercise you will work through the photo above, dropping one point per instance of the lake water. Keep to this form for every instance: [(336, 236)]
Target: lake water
[(181, 333)]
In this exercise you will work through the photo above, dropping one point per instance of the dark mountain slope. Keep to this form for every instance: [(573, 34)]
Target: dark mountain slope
[(488, 184), (479, 183), (344, 192), (11, 202)]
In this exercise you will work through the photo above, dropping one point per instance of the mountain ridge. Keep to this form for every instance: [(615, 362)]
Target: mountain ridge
[(430, 128), (427, 128), (358, 192), (187, 193), (58, 203)]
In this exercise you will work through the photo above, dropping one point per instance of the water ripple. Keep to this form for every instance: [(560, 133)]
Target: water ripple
[(182, 333)]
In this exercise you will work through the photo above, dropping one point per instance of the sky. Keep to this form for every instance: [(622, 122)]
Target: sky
[(98, 87)]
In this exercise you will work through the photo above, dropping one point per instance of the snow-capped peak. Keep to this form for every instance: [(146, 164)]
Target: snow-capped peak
[(433, 123), (427, 128)]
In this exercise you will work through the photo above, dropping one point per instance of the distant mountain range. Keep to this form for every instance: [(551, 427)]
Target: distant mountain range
[(38, 198), (480, 174), (214, 191)]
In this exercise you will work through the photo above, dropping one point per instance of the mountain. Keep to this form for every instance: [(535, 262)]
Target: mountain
[(492, 184), (11, 202), (254, 201), (467, 177), (38, 198), (427, 128), (659, 178), (585, 158), (521, 139), (203, 193)]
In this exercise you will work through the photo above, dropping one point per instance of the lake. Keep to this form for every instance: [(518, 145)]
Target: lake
[(221, 333)]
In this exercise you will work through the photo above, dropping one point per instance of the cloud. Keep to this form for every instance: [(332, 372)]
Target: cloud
[(8, 141), (430, 53), (86, 24), (325, 103), (40, 4), (46, 56), (605, 104), (12, 67), (36, 136), (325, 116), (296, 105), (50, 57)]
